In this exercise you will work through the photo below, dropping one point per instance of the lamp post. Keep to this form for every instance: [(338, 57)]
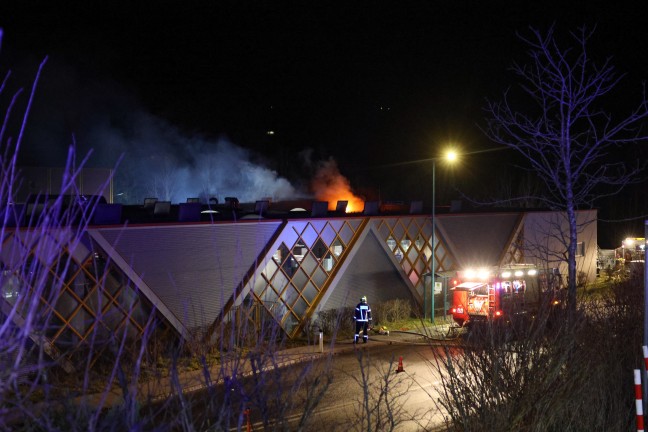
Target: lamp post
[(450, 156), (433, 259)]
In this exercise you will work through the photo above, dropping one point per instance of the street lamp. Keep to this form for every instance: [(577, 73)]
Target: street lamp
[(450, 156)]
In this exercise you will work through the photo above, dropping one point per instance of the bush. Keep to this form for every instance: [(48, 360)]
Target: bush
[(336, 321), (391, 311), (572, 375), (340, 321)]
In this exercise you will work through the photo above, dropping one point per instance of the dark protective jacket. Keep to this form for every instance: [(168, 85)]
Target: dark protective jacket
[(362, 312)]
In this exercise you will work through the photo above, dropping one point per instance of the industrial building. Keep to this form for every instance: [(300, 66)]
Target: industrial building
[(195, 265)]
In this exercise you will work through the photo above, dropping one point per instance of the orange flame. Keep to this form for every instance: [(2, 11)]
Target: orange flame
[(329, 185)]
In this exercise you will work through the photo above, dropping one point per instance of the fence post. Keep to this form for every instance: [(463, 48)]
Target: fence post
[(645, 332), (247, 418), (638, 400)]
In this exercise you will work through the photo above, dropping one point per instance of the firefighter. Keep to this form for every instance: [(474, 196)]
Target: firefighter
[(362, 317)]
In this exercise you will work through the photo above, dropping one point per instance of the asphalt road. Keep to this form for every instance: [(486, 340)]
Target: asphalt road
[(365, 384)]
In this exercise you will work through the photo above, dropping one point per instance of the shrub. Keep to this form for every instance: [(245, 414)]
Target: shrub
[(336, 321), (391, 311), (554, 373)]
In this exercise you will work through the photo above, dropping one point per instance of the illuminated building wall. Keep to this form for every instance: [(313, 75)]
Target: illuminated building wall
[(196, 274)]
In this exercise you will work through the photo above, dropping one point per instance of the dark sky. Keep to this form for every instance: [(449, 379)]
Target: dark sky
[(365, 82)]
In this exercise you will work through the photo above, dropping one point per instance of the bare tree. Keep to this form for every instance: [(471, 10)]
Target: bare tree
[(561, 127), (511, 191), (384, 395)]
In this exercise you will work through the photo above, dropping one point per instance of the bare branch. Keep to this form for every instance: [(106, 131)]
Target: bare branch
[(563, 131)]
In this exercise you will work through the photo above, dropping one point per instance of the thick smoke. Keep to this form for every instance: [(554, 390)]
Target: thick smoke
[(157, 159), (152, 157), (161, 162)]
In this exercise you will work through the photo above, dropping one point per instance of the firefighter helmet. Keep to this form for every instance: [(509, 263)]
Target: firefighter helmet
[(364, 299)]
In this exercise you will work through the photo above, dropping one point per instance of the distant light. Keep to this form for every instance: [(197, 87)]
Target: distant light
[(270, 132), (506, 274), (483, 274), (451, 156), (532, 272), (519, 273)]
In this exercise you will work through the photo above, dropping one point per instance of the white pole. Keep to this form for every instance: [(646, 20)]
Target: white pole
[(638, 400), (645, 333)]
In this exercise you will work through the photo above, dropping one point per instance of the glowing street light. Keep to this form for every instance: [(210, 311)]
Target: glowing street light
[(450, 156)]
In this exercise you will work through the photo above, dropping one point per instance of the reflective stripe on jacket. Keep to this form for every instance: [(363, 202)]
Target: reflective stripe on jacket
[(362, 312)]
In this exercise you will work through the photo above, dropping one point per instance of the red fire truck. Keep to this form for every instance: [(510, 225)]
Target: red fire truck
[(494, 293)]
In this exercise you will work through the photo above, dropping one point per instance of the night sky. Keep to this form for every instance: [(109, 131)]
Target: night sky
[(367, 84)]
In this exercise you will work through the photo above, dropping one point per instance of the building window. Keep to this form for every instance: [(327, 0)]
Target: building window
[(580, 249), (419, 242)]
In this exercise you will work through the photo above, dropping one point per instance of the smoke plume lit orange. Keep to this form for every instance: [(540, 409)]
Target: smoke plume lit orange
[(329, 185)]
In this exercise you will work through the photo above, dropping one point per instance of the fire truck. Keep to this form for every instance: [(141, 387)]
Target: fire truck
[(497, 293)]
